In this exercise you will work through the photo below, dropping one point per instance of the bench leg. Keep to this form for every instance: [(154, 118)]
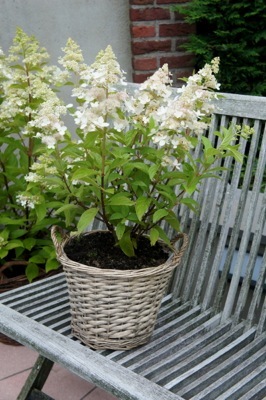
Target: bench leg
[(36, 380)]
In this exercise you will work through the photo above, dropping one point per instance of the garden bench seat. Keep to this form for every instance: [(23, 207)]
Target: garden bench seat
[(210, 337)]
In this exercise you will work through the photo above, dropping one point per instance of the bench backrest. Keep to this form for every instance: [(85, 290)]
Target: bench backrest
[(225, 264)]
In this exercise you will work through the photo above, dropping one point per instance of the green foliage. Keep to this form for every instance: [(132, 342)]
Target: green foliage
[(133, 197), (129, 163), (236, 32), (25, 217)]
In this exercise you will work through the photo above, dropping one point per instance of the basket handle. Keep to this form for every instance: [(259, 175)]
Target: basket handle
[(178, 254), (58, 241)]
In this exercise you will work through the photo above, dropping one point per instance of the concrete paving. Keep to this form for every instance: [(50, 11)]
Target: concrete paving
[(15, 365)]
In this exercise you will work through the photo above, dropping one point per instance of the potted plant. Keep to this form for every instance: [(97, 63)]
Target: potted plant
[(129, 164), (26, 81)]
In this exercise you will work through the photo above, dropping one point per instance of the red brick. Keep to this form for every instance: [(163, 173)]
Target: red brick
[(141, 2), (139, 78), (179, 61), (168, 29), (177, 29), (185, 29), (149, 14), (145, 64), (148, 46), (143, 31)]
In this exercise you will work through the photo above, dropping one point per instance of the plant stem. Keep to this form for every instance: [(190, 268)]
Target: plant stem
[(7, 186)]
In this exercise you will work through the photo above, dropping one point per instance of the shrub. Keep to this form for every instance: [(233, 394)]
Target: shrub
[(26, 81), (235, 31)]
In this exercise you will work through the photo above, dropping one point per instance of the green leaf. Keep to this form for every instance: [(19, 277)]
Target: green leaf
[(37, 259), (90, 139), (119, 200), (228, 136), (66, 207), (40, 211), (83, 173), (29, 243), (120, 230), (5, 234), (126, 244), (142, 205), (163, 235), (154, 236), (159, 214), (19, 251), (32, 271), (116, 216), (152, 171), (207, 143), (3, 253), (190, 203), (86, 218), (12, 244), (51, 264), (11, 221), (192, 185), (237, 155), (131, 166), (173, 221)]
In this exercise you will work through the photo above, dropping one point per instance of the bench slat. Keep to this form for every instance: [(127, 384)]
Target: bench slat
[(80, 360)]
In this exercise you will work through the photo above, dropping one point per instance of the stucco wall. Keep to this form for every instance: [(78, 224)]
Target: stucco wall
[(93, 24)]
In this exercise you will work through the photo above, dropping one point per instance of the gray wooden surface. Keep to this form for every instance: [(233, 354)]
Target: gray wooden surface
[(210, 340)]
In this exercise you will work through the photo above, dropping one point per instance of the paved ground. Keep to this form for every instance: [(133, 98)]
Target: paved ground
[(15, 365)]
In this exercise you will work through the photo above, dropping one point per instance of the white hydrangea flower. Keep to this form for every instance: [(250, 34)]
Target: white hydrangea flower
[(73, 60), (50, 141), (32, 177), (105, 70), (26, 200), (171, 162)]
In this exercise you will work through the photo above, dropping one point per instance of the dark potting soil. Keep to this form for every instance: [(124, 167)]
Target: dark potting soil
[(99, 250)]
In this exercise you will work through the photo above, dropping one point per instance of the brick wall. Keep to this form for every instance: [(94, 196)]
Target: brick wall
[(157, 35)]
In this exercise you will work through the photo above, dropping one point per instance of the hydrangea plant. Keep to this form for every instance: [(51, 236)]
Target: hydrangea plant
[(131, 160), (26, 82)]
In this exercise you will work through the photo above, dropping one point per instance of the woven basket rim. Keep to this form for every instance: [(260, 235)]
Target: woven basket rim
[(170, 263)]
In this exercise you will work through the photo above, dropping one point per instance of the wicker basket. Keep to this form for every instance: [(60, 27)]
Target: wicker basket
[(114, 309)]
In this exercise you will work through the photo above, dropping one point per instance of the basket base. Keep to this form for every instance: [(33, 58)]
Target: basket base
[(98, 343)]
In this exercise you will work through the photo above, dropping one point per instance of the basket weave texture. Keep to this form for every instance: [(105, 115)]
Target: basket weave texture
[(114, 309)]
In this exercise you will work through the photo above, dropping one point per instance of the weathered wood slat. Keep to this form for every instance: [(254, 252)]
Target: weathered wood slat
[(233, 368), (246, 234), (257, 392), (183, 347), (250, 268), (172, 343), (216, 357), (242, 105), (80, 360), (243, 386)]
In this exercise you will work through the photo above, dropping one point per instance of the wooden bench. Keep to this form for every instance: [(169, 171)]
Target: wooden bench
[(210, 338)]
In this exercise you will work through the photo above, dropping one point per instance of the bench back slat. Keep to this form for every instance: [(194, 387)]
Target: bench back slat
[(227, 239)]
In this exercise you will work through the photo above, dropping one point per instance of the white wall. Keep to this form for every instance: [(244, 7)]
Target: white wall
[(93, 24)]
